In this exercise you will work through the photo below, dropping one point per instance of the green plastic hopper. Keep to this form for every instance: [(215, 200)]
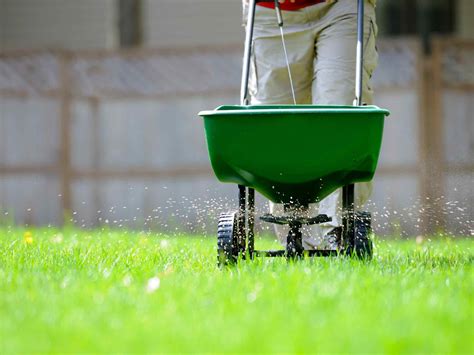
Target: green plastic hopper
[(294, 154)]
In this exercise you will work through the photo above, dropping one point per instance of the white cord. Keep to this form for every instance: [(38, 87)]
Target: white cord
[(288, 65)]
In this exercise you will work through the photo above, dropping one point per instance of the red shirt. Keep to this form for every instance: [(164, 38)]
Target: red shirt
[(291, 5)]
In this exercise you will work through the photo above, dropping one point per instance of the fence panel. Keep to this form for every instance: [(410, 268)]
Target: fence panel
[(397, 184), (454, 91), (114, 137)]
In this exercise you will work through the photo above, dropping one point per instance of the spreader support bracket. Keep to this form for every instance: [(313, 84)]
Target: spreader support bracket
[(291, 220)]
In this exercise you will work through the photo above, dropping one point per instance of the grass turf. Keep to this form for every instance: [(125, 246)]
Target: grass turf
[(117, 291)]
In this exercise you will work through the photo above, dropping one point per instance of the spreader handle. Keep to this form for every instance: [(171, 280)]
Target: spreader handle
[(244, 85), (359, 54)]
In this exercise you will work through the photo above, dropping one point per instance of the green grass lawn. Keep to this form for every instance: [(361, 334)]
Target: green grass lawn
[(117, 291)]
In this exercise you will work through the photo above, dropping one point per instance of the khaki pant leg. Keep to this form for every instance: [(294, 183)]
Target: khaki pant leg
[(269, 80)]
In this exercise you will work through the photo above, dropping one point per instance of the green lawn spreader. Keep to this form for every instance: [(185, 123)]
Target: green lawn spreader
[(289, 154)]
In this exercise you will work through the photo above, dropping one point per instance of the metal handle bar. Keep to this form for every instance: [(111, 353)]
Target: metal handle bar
[(359, 54), (244, 85)]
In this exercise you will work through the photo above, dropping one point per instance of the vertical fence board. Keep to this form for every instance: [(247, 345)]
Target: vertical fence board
[(29, 131), (65, 131), (32, 198), (83, 138), (453, 99), (458, 127), (396, 205)]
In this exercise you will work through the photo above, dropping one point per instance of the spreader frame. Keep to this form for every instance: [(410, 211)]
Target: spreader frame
[(244, 243)]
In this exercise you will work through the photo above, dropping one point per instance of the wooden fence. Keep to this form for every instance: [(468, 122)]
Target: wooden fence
[(80, 130), (449, 131)]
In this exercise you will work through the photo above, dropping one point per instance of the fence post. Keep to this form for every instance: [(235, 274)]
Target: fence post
[(425, 66), (434, 141), (65, 132)]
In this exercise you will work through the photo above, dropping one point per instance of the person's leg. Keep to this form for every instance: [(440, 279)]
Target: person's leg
[(334, 80), (269, 80), (335, 56)]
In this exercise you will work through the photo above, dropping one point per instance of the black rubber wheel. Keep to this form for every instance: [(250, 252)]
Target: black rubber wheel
[(229, 239), (363, 246)]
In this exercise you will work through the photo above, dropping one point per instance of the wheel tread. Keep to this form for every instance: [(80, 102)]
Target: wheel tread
[(226, 245)]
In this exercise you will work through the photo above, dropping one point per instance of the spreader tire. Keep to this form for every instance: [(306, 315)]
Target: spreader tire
[(228, 239), (363, 246)]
